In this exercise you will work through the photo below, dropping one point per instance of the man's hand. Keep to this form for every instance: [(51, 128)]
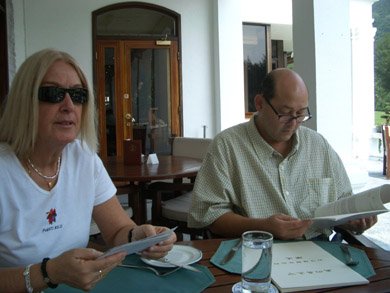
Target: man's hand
[(286, 227), (359, 226), (281, 226), (156, 251)]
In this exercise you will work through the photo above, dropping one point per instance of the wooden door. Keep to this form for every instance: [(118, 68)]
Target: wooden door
[(3, 52), (137, 95)]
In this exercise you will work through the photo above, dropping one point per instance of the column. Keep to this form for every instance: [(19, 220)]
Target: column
[(322, 56)]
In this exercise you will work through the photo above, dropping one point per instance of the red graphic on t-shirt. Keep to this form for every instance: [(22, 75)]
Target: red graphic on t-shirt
[(51, 216)]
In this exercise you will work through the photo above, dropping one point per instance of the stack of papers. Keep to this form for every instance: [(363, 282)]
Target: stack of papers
[(136, 246), (304, 265), (362, 205)]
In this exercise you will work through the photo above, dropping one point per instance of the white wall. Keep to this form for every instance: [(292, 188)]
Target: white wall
[(334, 76), (263, 11), (333, 46), (16, 36), (213, 92), (67, 26), (230, 64), (212, 68), (362, 42), (323, 59), (275, 11)]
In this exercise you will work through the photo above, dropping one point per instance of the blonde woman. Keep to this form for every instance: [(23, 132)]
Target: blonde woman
[(52, 182)]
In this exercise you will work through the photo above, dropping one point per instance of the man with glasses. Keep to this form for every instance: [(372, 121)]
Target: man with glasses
[(270, 173)]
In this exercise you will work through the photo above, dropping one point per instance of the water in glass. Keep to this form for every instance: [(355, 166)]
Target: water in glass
[(256, 261)]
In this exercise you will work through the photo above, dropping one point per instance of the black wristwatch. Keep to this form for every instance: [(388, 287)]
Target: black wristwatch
[(46, 278)]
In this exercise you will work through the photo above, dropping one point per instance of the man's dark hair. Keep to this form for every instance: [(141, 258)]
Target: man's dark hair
[(267, 88)]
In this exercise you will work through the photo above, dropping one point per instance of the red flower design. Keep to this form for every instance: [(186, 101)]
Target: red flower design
[(51, 216)]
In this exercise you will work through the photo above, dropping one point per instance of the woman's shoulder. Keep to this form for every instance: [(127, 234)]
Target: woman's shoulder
[(78, 147), (78, 151), (5, 150)]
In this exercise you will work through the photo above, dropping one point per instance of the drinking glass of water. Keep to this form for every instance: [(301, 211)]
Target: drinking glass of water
[(256, 261)]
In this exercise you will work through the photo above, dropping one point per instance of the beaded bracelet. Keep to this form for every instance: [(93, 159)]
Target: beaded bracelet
[(26, 275), (44, 274)]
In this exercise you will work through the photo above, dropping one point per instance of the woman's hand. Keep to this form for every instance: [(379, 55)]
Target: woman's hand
[(156, 251), (79, 268)]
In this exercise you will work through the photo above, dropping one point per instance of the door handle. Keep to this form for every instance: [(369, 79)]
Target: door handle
[(128, 116)]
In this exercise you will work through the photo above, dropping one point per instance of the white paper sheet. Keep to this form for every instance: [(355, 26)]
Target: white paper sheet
[(136, 246), (362, 205), (304, 265)]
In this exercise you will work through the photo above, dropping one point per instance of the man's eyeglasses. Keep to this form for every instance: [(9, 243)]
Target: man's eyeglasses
[(286, 118), (54, 94)]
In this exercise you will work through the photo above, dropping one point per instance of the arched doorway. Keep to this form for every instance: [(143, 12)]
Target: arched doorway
[(137, 76)]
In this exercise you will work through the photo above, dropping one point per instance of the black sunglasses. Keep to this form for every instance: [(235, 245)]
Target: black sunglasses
[(54, 94)]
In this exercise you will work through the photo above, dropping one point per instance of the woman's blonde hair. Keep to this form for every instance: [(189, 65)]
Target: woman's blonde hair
[(20, 117)]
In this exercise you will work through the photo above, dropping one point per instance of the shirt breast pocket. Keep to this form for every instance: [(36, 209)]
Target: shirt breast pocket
[(320, 191)]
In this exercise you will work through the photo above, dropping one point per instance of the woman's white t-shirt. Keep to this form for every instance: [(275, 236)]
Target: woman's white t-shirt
[(36, 223)]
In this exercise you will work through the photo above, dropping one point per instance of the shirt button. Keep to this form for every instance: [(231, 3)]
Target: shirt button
[(287, 193)]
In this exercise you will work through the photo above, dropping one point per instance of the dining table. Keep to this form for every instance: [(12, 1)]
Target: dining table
[(215, 279), (224, 281), (168, 167)]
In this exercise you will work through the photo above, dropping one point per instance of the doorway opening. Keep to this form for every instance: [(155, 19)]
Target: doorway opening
[(137, 76)]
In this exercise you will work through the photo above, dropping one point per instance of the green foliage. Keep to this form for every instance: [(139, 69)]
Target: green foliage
[(382, 98), (386, 116), (382, 62), (378, 119), (381, 15)]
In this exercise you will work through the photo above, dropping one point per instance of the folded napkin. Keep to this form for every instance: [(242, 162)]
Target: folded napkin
[(123, 279), (364, 267)]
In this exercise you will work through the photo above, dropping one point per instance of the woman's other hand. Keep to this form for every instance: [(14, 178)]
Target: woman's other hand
[(156, 251)]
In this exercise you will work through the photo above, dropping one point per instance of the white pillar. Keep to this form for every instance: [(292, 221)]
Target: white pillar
[(322, 56), (230, 69), (362, 36)]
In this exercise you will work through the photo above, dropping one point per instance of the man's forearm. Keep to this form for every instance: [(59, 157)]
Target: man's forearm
[(233, 225), (281, 226)]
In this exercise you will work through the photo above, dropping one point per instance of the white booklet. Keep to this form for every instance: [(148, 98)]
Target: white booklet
[(136, 246), (362, 205), (303, 265)]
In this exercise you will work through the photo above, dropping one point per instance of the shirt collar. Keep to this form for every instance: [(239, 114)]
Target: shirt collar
[(264, 148)]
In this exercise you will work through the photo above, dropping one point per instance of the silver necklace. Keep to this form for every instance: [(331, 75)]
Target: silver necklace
[(47, 177)]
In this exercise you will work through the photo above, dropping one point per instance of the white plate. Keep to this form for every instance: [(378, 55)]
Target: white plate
[(179, 255)]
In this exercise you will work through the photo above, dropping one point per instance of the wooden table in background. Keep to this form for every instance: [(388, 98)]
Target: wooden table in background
[(169, 167), (380, 260)]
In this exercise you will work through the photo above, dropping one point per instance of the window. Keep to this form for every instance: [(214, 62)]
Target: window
[(257, 61), (260, 57)]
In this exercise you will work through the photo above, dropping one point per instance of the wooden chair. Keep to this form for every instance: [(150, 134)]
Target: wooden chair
[(131, 205), (357, 239), (386, 149), (171, 200)]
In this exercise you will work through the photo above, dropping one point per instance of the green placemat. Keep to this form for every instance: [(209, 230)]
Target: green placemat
[(123, 279), (364, 267)]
